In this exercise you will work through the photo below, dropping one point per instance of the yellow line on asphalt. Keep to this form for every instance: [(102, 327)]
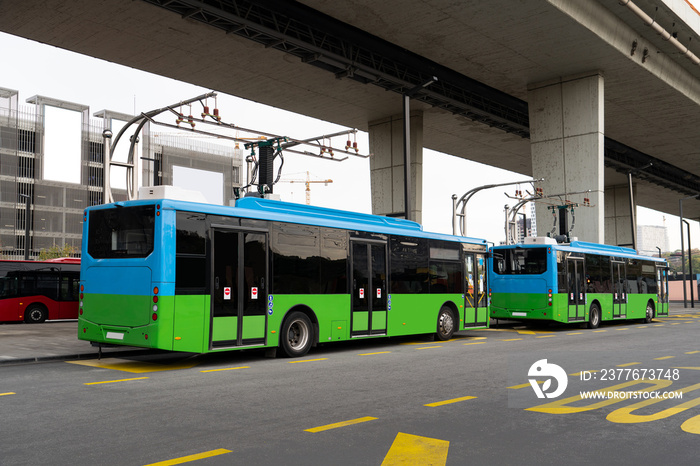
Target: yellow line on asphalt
[(227, 369), (447, 402), (578, 374), (8, 393), (692, 352), (476, 343), (512, 339), (308, 360), (115, 381), (676, 323), (626, 328), (664, 357), (575, 333), (689, 368), (517, 387), (660, 325), (598, 331), (340, 424), (372, 354), (412, 449), (429, 347), (546, 336), (628, 364), (187, 459)]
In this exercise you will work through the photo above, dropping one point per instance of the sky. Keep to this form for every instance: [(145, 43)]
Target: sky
[(64, 75)]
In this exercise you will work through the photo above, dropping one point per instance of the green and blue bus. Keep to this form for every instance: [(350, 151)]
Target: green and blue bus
[(578, 282), (186, 276)]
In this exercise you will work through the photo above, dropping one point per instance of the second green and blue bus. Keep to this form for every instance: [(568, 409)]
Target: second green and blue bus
[(185, 276), (580, 282)]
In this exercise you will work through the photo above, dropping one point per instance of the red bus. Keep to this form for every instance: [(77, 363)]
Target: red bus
[(34, 291)]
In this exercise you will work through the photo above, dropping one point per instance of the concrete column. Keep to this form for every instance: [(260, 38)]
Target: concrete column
[(567, 142), (618, 222), (387, 167)]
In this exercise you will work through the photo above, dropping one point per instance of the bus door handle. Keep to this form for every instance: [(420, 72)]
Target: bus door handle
[(262, 283), (216, 283)]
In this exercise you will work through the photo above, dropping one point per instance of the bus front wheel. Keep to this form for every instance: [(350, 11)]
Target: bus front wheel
[(296, 335), (445, 324), (594, 316), (35, 314), (650, 313)]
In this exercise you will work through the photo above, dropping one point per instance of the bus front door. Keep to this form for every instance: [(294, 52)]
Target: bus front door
[(619, 292), (576, 280), (662, 290), (239, 288), (369, 298), (475, 297)]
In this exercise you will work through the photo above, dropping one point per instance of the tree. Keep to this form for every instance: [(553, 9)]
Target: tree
[(56, 251)]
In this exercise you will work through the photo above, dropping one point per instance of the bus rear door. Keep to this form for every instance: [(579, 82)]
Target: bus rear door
[(475, 297), (239, 288), (619, 290), (369, 299), (662, 290)]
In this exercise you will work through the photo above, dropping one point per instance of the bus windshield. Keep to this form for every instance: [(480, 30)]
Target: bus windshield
[(524, 261), (123, 232)]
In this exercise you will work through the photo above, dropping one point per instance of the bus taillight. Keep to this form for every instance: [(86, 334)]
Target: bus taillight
[(155, 317)]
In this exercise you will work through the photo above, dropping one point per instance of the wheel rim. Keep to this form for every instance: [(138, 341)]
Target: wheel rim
[(298, 334), (35, 315), (446, 323), (650, 313), (595, 317)]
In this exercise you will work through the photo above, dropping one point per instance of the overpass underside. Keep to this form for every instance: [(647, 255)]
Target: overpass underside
[(503, 72)]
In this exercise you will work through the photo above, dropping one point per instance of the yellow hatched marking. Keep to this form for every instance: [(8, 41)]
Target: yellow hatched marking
[(692, 352), (135, 367), (115, 381), (664, 357), (340, 424), (372, 354), (447, 402), (227, 369), (429, 347), (187, 459), (308, 360), (411, 449), (546, 336), (518, 387), (628, 364), (476, 343), (8, 393), (512, 339)]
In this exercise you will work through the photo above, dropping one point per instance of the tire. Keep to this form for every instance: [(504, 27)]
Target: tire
[(650, 313), (445, 324), (297, 335), (593, 316), (35, 314)]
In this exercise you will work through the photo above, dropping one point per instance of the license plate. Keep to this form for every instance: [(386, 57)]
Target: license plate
[(519, 314), (115, 336)]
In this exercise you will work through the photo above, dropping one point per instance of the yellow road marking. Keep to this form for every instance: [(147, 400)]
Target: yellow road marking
[(187, 459), (115, 381), (429, 347), (676, 323), (135, 367), (577, 374), (340, 424), (447, 402), (692, 352), (664, 357), (372, 354), (575, 333), (660, 325), (689, 368), (692, 425), (8, 393), (476, 343), (626, 328), (598, 331), (512, 339), (625, 416), (227, 369), (546, 336), (628, 364), (308, 360), (412, 449)]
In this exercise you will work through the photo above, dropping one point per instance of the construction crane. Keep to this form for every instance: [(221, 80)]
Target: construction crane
[(307, 182)]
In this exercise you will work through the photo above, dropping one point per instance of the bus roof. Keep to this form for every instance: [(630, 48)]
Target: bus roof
[(590, 248), (267, 209)]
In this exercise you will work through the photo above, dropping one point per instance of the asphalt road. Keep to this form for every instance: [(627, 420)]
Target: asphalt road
[(466, 401)]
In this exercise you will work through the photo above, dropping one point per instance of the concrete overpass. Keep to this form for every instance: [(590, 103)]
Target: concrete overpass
[(579, 92)]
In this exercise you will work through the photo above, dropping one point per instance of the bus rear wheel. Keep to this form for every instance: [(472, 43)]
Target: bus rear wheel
[(594, 316), (445, 324), (35, 314), (296, 335), (650, 313)]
